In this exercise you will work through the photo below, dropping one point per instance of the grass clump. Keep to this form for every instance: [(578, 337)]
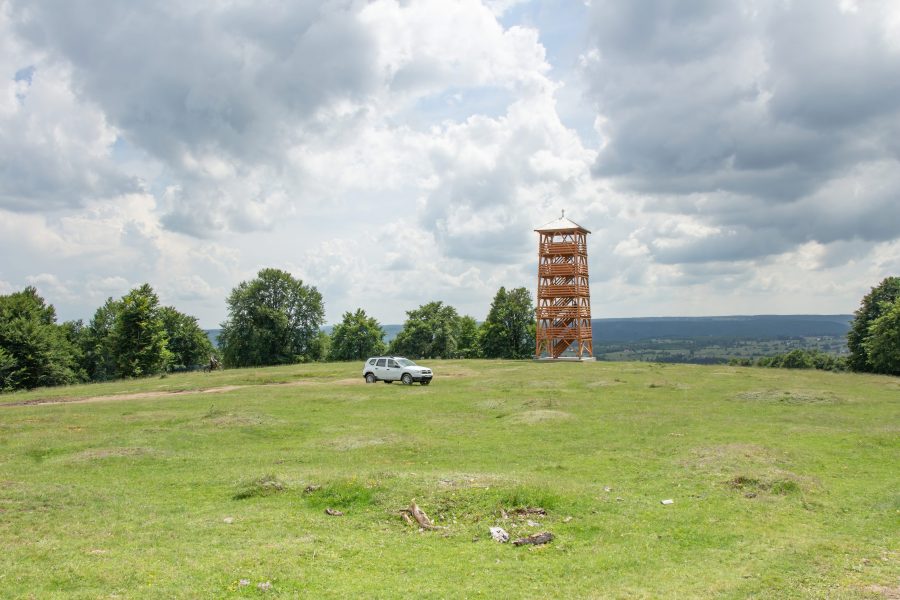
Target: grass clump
[(784, 487), (266, 485), (341, 494), (521, 497), (753, 485), (40, 454)]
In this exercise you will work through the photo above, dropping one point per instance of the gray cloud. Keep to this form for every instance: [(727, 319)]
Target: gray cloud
[(754, 117), (54, 151), (237, 80), (38, 178), (218, 96)]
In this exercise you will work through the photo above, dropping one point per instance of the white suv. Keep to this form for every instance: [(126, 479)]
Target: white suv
[(395, 368)]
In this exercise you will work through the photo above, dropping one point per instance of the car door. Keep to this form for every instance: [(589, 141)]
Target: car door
[(381, 368), (392, 371)]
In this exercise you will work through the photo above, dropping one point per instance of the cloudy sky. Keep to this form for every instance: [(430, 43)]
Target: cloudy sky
[(729, 157)]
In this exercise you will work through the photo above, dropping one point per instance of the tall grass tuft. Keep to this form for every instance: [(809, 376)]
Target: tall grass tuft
[(266, 485)]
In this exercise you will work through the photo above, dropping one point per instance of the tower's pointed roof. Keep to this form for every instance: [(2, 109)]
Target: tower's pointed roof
[(561, 224)]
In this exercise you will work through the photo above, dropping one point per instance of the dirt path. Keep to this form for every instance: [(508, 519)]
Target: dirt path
[(134, 396), (161, 394)]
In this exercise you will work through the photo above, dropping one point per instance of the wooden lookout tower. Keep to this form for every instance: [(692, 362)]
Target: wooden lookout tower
[(564, 293)]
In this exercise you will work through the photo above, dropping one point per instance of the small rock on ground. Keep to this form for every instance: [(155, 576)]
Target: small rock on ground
[(499, 534)]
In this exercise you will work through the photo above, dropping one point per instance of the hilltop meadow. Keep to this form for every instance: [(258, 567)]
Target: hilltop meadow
[(783, 484)]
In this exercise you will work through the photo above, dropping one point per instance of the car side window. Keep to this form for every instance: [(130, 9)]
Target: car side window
[(393, 363), (372, 362), (380, 362)]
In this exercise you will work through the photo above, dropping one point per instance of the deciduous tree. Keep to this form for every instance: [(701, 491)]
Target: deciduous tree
[(356, 337), (272, 319), (508, 331), (189, 345), (882, 344), (469, 339), (878, 301), (430, 331), (34, 350), (98, 354), (138, 338)]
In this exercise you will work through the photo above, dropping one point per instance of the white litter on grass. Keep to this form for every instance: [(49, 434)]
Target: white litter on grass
[(667, 501), (499, 534), (264, 586), (532, 523), (228, 520), (243, 582)]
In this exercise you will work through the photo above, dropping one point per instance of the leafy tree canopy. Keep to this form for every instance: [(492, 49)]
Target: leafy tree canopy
[(272, 319), (356, 337), (469, 341), (138, 339), (873, 305), (98, 354), (34, 350), (189, 345), (430, 331), (508, 331), (882, 345)]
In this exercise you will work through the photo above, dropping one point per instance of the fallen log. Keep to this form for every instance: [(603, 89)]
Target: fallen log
[(419, 515), (537, 539), (334, 513), (529, 510)]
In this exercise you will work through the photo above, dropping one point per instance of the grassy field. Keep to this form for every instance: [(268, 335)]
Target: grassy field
[(785, 484)]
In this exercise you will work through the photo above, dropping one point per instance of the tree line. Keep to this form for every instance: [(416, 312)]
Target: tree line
[(795, 359), (277, 319), (272, 319)]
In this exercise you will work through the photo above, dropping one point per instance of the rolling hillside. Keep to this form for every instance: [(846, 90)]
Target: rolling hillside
[(778, 484)]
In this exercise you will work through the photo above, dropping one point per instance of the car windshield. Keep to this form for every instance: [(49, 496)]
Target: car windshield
[(405, 362)]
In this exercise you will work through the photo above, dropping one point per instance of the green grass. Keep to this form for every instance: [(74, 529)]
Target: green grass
[(785, 484)]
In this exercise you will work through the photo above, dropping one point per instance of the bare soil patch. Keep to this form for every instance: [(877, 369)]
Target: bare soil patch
[(102, 453), (358, 442), (236, 420), (601, 383), (889, 592), (793, 396), (539, 416)]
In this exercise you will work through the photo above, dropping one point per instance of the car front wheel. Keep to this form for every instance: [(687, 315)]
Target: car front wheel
[(406, 379), (370, 378)]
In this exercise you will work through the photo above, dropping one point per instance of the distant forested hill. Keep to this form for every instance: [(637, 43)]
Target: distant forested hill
[(213, 335), (737, 327), (748, 327)]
